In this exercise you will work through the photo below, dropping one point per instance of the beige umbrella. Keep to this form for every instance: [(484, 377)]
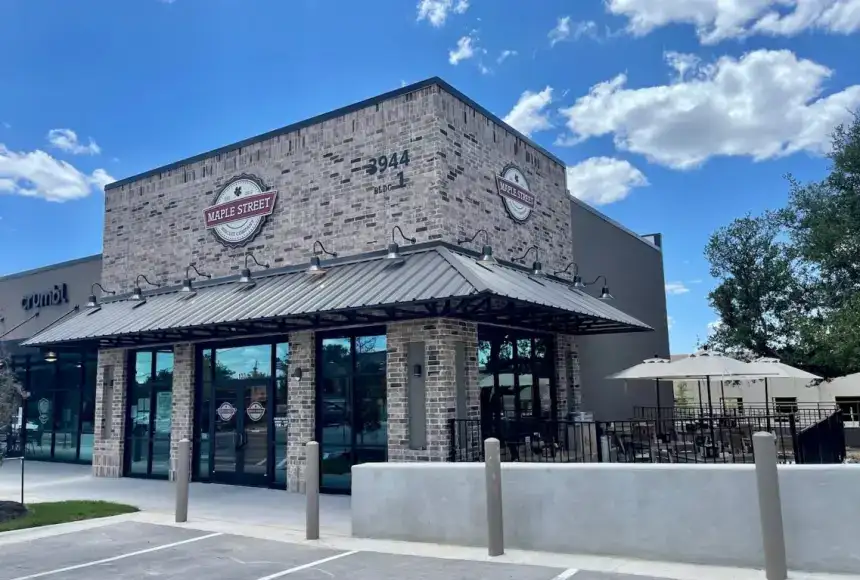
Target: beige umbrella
[(648, 369), (784, 371)]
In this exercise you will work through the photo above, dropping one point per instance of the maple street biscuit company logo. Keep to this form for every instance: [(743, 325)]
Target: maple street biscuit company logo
[(240, 210), (514, 191)]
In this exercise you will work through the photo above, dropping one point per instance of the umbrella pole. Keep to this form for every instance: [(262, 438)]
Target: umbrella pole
[(701, 408), (657, 384), (766, 404), (711, 412), (723, 397)]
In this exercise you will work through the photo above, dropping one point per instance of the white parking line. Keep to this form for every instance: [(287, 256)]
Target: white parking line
[(305, 566), (115, 558), (566, 574)]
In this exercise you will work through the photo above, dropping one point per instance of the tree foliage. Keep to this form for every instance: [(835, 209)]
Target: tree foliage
[(789, 279), (11, 393)]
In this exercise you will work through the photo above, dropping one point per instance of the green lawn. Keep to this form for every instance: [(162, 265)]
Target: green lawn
[(46, 514)]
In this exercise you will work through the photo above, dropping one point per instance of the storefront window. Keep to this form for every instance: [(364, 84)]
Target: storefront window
[(282, 373), (59, 409), (150, 398), (516, 375)]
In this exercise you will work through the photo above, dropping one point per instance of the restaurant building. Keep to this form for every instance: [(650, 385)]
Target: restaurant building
[(360, 279)]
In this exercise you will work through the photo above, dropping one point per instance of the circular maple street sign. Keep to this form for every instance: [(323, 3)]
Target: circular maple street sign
[(44, 410), (256, 410), (226, 411)]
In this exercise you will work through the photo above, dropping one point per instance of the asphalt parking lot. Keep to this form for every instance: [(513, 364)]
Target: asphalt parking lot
[(135, 550)]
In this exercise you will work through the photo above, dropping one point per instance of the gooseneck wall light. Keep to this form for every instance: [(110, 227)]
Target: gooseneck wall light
[(486, 250), (315, 266), (604, 291), (187, 283), (537, 268), (137, 293), (92, 301), (245, 277), (576, 281), (393, 254)]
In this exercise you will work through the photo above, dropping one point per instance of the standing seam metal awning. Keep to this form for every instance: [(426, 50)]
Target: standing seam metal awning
[(431, 282)]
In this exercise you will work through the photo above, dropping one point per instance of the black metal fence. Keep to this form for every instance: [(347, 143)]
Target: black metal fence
[(671, 439)]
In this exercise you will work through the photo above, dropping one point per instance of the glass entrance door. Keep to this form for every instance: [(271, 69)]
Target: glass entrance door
[(240, 445)]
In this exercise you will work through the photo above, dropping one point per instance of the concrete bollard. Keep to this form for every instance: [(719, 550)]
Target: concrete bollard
[(493, 473), (312, 490), (183, 463), (770, 508)]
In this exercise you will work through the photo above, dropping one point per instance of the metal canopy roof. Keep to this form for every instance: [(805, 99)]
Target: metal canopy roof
[(431, 281)]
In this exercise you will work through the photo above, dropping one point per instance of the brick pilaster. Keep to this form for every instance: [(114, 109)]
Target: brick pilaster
[(109, 444), (182, 412), (302, 401), (568, 395)]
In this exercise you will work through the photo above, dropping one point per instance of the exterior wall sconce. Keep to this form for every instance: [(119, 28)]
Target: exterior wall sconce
[(486, 250), (245, 277), (394, 250), (92, 301), (577, 279), (50, 356), (604, 291), (137, 293), (297, 374), (315, 266), (187, 282), (536, 265)]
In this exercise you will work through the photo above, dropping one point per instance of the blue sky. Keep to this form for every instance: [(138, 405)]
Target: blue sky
[(673, 116)]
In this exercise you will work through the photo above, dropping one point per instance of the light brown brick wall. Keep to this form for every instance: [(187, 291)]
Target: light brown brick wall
[(182, 412), (439, 336), (108, 450), (568, 392), (302, 401)]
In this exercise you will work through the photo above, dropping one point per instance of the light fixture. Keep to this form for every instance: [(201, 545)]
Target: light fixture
[(576, 277), (245, 277), (486, 250), (50, 356), (536, 265), (297, 374), (137, 293), (393, 249), (187, 282), (604, 291), (315, 267), (92, 301)]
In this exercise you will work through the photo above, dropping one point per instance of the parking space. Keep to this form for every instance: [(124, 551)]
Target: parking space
[(136, 550)]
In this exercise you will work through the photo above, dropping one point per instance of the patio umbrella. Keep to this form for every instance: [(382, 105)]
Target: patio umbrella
[(785, 371), (647, 369)]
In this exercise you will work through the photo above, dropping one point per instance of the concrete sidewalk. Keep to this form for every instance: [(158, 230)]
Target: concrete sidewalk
[(279, 515)]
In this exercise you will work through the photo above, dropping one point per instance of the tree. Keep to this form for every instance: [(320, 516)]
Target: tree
[(790, 280), (11, 397), (682, 394)]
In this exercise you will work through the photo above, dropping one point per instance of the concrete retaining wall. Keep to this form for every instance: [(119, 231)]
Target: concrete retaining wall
[(706, 514)]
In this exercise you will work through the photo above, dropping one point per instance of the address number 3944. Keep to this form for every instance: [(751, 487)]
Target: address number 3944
[(383, 162)]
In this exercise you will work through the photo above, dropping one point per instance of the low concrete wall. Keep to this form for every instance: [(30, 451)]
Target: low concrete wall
[(705, 514)]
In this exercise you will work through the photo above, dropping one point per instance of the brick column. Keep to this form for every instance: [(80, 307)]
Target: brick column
[(439, 336), (568, 393), (301, 411), (108, 444), (182, 411)]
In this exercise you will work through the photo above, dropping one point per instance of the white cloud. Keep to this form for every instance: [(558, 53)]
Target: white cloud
[(484, 69), (764, 105), (464, 51), (603, 180), (506, 54), (670, 321), (67, 140), (676, 288), (717, 20), (530, 112), (563, 30), (713, 326), (436, 11), (37, 174)]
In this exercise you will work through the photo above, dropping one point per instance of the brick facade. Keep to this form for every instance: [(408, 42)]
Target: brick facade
[(182, 411), (154, 225), (302, 407), (439, 336), (568, 392), (108, 443)]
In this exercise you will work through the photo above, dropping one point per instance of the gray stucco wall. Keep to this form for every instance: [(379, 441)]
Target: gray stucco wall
[(77, 275), (634, 270)]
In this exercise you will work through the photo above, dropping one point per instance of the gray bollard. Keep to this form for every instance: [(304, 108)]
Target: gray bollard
[(493, 472), (770, 508), (183, 463), (312, 490)]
